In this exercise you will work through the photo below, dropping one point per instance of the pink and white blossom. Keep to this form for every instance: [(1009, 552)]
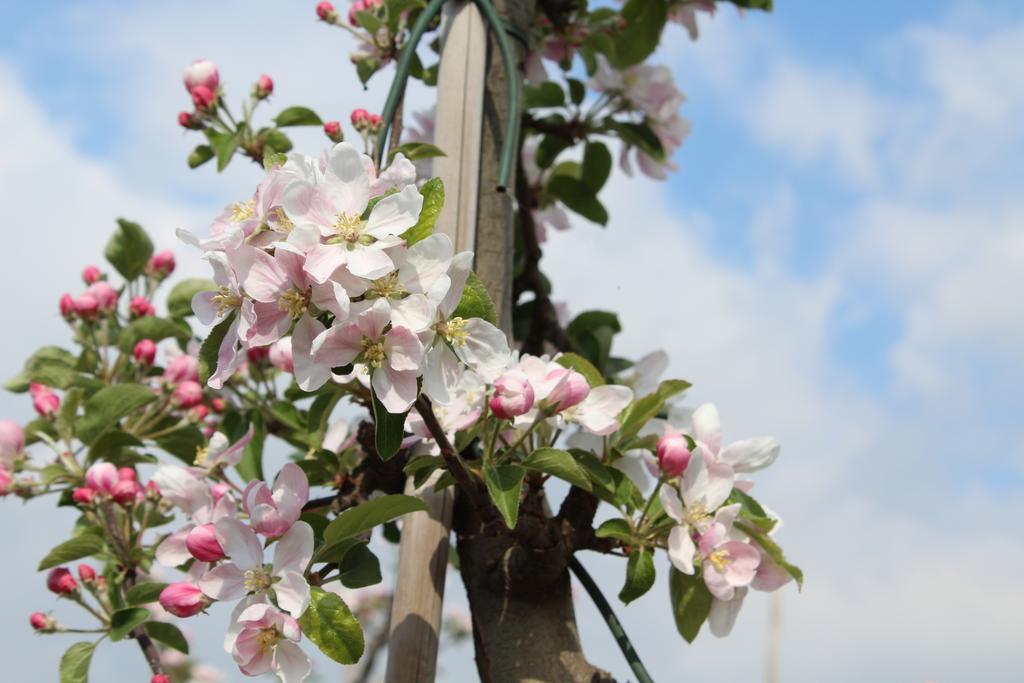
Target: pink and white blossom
[(264, 640), (272, 512), (694, 506)]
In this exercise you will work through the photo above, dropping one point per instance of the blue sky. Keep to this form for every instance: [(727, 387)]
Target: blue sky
[(837, 262)]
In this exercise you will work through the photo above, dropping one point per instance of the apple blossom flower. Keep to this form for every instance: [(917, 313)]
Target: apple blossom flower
[(332, 129), (12, 442), (598, 413), (245, 574), (263, 88), (513, 395), (673, 452), (281, 355), (189, 492), (685, 14), (127, 492), (461, 413), (723, 613), (568, 389), (221, 452), (60, 581), (263, 639), (273, 511), (145, 352), (327, 209), (44, 400), (704, 487), (91, 274), (201, 72), (393, 358), (644, 375), (183, 599), (399, 174), (746, 455), (727, 564)]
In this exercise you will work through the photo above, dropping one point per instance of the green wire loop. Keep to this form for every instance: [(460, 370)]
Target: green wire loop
[(614, 625), (408, 51)]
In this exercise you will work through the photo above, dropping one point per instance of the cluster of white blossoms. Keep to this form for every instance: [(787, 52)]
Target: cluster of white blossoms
[(319, 253)]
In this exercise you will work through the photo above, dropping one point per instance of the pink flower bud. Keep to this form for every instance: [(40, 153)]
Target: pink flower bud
[(12, 440), (189, 121), (86, 573), (258, 354), (203, 544), (102, 477), (203, 98), (332, 129), (200, 412), (85, 306), (357, 6), (183, 599), (187, 395), (218, 405), (162, 263), (160, 678), (513, 395), (376, 122), (105, 295), (673, 453), (83, 495), (91, 274), (139, 307), (202, 73), (325, 11), (126, 492), (571, 388), (42, 623), (127, 474), (6, 478), (360, 119), (264, 87), (145, 351), (60, 581), (281, 355), (44, 400), (182, 368), (67, 306), (218, 491)]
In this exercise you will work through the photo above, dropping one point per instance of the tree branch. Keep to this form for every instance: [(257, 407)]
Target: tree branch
[(451, 457)]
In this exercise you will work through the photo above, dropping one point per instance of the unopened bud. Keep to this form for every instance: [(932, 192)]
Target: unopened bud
[(263, 88), (67, 306), (44, 400), (513, 395), (201, 73), (42, 623), (126, 492), (325, 11), (183, 599), (570, 390), (187, 395), (203, 98), (83, 495), (140, 307), (102, 477), (85, 306), (160, 678), (91, 274), (360, 119), (258, 354), (161, 264), (60, 581), (202, 542), (332, 129), (145, 351), (86, 573)]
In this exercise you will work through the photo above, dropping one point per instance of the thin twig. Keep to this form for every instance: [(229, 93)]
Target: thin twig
[(451, 457)]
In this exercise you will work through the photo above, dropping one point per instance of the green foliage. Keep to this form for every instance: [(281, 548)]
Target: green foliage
[(367, 515), (200, 155), (639, 135), (433, 202), (560, 464), (615, 528), (106, 407), (143, 593), (591, 334), (250, 467), (640, 575), (597, 166), (579, 197), (476, 302), (275, 141), (210, 349), (179, 301), (224, 145), (129, 249), (644, 21), (329, 623), (74, 665), (183, 443), (124, 620), (389, 429), (75, 548), (168, 634), (774, 551), (643, 410), (415, 151), (50, 365), (359, 568), (297, 116), (576, 362), (505, 484), (691, 602), (153, 328), (752, 510), (547, 94)]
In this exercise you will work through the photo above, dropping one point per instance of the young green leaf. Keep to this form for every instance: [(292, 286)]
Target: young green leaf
[(643, 21), (415, 151), (576, 362), (250, 467), (124, 620), (329, 623), (476, 302), (367, 515), (129, 249), (168, 634), (597, 166), (433, 202), (505, 484), (72, 549), (643, 410), (106, 407), (639, 575), (389, 429), (360, 568), (547, 94), (74, 665), (143, 593), (615, 528), (210, 349), (576, 195), (774, 551), (558, 463), (179, 301), (152, 328), (297, 116), (200, 155), (691, 602)]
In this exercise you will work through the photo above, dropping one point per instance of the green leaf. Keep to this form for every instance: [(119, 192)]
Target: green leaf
[(577, 91), (560, 464), (129, 249), (74, 665), (106, 407), (591, 334), (360, 568), (752, 510), (273, 159), (597, 166), (153, 328), (124, 620), (183, 443), (210, 349), (367, 515), (599, 473), (774, 551), (547, 94), (576, 362), (329, 623), (389, 429), (643, 410), (765, 5), (48, 363), (615, 528), (415, 151), (73, 549), (144, 593), (110, 443), (320, 415), (433, 202), (179, 301), (644, 21), (476, 302), (250, 467), (298, 116), (639, 575), (200, 155), (576, 195), (276, 141), (691, 602), (505, 484), (549, 148), (168, 634), (641, 136)]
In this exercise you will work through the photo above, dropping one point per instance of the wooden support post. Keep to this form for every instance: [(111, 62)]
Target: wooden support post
[(423, 553)]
